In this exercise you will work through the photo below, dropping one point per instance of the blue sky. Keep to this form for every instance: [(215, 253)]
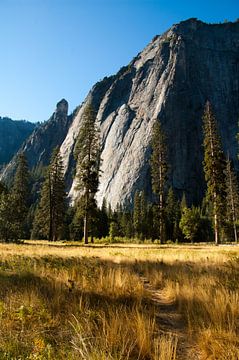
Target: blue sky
[(52, 49)]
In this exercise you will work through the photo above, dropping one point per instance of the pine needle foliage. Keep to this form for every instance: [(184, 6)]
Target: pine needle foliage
[(232, 197), (2, 188), (10, 227), (21, 194), (214, 167), (159, 170), (50, 214), (87, 155)]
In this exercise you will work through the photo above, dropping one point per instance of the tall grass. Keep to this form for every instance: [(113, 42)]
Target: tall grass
[(59, 302)]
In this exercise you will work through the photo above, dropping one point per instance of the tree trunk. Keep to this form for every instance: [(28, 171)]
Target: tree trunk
[(216, 229), (86, 219), (232, 203), (235, 232), (51, 211)]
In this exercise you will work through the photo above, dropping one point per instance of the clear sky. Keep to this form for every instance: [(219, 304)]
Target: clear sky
[(50, 49)]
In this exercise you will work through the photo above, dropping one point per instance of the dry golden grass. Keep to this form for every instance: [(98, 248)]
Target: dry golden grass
[(74, 302)]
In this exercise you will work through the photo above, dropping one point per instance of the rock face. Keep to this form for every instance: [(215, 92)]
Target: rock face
[(170, 80), (40, 144), (12, 134)]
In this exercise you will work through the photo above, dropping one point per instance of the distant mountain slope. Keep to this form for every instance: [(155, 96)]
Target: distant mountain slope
[(12, 135), (39, 145)]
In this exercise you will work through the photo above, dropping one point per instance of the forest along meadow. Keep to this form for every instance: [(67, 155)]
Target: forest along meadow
[(147, 282)]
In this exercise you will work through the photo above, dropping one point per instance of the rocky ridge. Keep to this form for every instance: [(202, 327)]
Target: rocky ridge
[(170, 80), (40, 144)]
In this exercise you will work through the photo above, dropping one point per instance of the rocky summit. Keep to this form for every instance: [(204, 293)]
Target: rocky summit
[(40, 144), (170, 80)]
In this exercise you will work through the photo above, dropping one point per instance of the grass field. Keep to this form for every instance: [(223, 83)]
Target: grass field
[(119, 302)]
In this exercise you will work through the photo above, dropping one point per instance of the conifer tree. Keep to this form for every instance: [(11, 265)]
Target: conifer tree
[(50, 214), (10, 227), (2, 188), (127, 225), (232, 197), (190, 222), (214, 166), (172, 211), (137, 214), (159, 169), (87, 154), (183, 203), (20, 192), (103, 220), (144, 215)]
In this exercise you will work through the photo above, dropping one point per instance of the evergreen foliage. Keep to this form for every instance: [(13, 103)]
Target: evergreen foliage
[(173, 214), (142, 221), (214, 166), (50, 214), (190, 222), (159, 170), (14, 205), (232, 198), (137, 215), (2, 188), (87, 154), (10, 227), (21, 194)]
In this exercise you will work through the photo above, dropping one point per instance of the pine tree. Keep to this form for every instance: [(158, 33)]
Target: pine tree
[(127, 225), (2, 188), (21, 194), (103, 220), (87, 154), (214, 165), (50, 214), (190, 222), (232, 197), (172, 211), (144, 215), (10, 227), (137, 214), (159, 169), (183, 203)]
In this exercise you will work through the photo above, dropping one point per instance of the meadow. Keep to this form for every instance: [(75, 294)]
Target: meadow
[(118, 302)]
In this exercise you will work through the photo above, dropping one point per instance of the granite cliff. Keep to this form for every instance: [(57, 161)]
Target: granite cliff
[(170, 80), (39, 145)]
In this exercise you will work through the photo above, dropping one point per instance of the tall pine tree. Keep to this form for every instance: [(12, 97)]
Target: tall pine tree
[(87, 154), (137, 215), (2, 188), (20, 192), (10, 228), (159, 169), (214, 166), (50, 214), (232, 197)]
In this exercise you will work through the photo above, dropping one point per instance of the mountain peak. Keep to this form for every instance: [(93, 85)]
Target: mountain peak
[(62, 107)]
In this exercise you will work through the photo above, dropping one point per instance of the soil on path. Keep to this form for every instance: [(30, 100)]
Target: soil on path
[(170, 321)]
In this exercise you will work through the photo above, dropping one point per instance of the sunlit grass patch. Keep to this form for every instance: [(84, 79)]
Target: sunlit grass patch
[(69, 302)]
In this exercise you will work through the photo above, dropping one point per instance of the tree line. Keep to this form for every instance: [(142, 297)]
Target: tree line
[(164, 218)]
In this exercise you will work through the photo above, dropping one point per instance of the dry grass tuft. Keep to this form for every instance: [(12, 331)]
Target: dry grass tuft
[(68, 302)]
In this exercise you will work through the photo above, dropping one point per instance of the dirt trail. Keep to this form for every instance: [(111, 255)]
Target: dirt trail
[(171, 322)]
